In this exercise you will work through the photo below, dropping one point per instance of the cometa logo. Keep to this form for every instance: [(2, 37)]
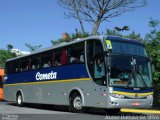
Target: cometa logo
[(46, 76)]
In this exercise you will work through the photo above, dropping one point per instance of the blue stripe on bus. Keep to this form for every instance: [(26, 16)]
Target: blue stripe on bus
[(72, 71), (131, 90)]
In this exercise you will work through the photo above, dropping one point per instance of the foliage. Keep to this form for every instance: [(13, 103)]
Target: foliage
[(153, 48), (134, 36), (32, 47), (113, 33), (69, 38), (4, 55), (97, 11), (131, 35), (9, 47)]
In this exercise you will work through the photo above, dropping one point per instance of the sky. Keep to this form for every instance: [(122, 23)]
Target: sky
[(37, 22)]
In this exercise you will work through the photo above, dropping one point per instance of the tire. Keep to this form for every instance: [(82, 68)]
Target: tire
[(76, 103), (19, 100), (112, 111)]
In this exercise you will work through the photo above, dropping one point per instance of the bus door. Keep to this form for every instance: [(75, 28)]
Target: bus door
[(97, 68)]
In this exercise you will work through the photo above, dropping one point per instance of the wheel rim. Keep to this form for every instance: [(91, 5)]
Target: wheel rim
[(77, 103), (19, 100)]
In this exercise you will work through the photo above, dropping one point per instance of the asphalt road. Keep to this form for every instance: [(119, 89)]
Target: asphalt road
[(9, 111)]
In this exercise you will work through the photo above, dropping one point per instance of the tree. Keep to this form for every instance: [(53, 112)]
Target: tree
[(131, 35), (97, 11), (113, 33), (9, 47), (32, 47), (135, 36), (72, 6), (4, 55), (67, 38), (153, 48)]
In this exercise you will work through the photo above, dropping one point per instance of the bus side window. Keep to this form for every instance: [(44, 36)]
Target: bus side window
[(24, 64), (12, 67), (64, 57), (56, 55), (33, 63), (76, 53)]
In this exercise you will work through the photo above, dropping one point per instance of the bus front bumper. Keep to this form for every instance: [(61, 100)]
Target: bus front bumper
[(129, 103)]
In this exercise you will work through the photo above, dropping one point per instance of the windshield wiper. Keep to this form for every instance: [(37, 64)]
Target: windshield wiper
[(131, 76), (133, 73), (142, 79)]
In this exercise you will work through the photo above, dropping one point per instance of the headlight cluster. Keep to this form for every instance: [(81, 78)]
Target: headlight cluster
[(117, 95), (149, 96)]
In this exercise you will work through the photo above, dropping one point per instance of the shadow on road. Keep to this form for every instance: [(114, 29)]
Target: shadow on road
[(91, 111)]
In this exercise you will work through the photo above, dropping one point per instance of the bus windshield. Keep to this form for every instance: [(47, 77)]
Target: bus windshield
[(129, 71)]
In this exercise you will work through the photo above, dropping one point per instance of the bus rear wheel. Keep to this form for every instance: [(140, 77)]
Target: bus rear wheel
[(19, 100), (76, 103)]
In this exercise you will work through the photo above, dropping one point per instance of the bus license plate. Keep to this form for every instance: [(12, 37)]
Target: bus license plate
[(136, 103)]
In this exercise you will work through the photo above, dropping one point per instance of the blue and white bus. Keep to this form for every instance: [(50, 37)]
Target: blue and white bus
[(99, 71)]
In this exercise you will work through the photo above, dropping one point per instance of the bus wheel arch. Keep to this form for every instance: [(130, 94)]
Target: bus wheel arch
[(19, 98), (76, 100)]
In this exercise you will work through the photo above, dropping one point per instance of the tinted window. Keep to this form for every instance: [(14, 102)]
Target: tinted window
[(95, 60), (60, 56), (76, 53), (128, 48)]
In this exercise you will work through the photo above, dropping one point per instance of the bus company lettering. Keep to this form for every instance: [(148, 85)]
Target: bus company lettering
[(46, 76)]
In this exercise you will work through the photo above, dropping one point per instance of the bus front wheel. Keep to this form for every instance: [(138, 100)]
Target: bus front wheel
[(19, 100), (75, 103)]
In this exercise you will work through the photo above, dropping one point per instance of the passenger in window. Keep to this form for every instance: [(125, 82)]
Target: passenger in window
[(56, 63), (72, 59), (99, 69), (77, 60), (17, 69), (47, 64), (33, 67), (29, 64), (82, 58)]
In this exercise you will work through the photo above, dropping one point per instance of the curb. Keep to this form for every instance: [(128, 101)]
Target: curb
[(140, 111)]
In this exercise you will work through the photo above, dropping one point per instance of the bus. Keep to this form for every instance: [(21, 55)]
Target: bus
[(1, 83), (105, 72)]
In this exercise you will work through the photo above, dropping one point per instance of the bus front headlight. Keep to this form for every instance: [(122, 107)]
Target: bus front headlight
[(117, 95), (149, 96)]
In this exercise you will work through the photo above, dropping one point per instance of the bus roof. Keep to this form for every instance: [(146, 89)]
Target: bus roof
[(121, 39), (112, 38)]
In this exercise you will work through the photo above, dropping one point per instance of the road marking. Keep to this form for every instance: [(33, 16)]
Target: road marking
[(140, 111)]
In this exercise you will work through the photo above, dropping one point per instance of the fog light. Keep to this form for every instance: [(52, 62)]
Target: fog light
[(114, 103)]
